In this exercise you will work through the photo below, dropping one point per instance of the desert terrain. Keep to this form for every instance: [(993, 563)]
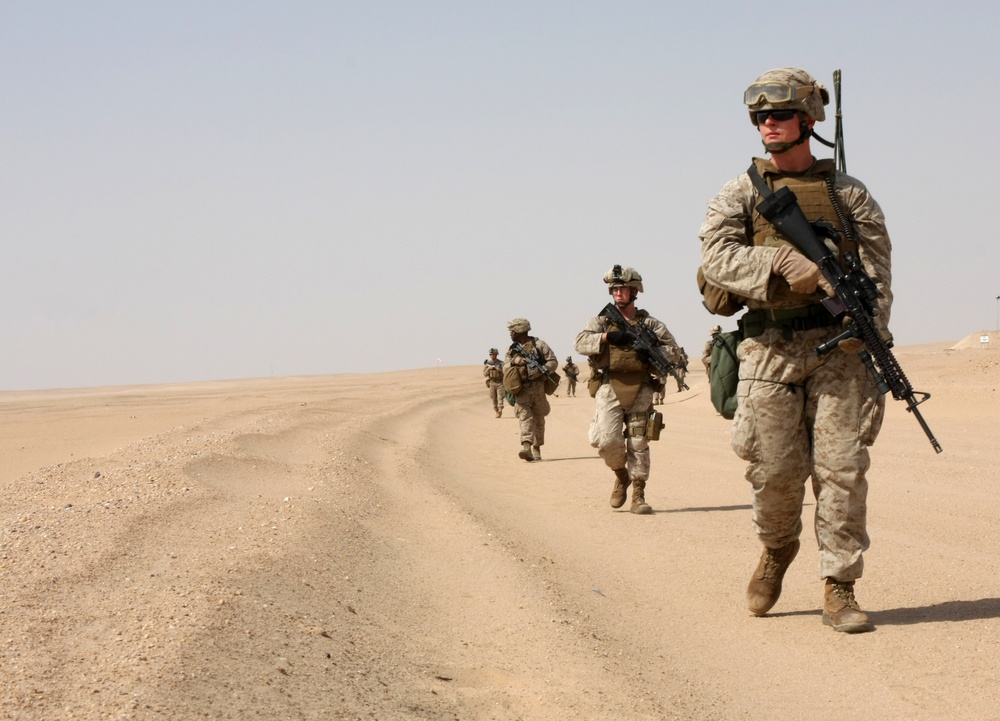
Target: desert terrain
[(371, 547)]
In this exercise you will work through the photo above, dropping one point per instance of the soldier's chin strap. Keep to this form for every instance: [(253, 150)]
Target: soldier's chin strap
[(804, 134), (779, 148)]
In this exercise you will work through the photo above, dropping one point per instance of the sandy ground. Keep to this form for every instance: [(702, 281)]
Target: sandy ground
[(371, 547)]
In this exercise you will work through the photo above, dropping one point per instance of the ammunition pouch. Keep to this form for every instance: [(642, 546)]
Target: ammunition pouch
[(790, 320), (594, 382), (644, 425)]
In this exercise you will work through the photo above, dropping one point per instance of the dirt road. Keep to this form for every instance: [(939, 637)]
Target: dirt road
[(354, 547)]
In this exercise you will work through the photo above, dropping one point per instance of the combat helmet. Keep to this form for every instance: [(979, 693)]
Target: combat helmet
[(792, 88), (620, 276), (519, 325), (494, 351)]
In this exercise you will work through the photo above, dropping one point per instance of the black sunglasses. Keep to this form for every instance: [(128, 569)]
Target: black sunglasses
[(779, 115)]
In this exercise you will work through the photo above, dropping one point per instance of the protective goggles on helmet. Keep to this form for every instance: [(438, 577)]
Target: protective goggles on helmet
[(776, 92)]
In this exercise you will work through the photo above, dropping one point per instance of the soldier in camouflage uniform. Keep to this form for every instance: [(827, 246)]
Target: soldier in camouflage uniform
[(572, 371), (682, 369), (531, 404), (625, 397), (799, 414), (706, 352), (493, 370)]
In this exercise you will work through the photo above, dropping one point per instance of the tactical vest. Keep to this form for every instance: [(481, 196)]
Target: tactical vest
[(495, 371), (529, 348), (622, 360), (813, 195)]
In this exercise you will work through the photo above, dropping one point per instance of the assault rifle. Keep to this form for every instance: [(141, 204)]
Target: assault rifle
[(645, 342), (854, 296), (534, 364)]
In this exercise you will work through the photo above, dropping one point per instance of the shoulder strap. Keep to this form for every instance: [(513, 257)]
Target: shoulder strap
[(758, 181)]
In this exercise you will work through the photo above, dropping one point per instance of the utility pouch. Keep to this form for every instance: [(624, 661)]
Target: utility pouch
[(512, 379), (635, 425), (724, 372), (654, 425), (594, 383), (717, 300), (551, 382)]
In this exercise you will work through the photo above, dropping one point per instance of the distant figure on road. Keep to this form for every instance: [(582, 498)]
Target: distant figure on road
[(493, 370), (531, 404), (572, 372), (620, 429)]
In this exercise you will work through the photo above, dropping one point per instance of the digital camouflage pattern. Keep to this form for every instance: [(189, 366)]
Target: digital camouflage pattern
[(787, 393), (799, 414), (531, 404)]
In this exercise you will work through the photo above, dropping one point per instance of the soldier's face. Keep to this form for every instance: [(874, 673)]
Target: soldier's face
[(781, 131), (622, 295)]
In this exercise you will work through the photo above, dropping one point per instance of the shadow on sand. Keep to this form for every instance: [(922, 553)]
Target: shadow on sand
[(945, 612)]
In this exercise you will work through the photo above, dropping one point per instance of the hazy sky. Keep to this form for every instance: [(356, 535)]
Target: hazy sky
[(208, 190)]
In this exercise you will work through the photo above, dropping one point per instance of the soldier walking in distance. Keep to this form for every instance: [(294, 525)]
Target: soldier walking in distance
[(530, 403), (572, 371), (800, 414), (493, 370), (706, 353), (624, 399), (682, 369)]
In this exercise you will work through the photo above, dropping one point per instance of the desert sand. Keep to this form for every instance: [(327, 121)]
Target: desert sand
[(371, 547)]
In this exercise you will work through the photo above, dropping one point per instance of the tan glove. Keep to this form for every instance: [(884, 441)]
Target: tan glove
[(850, 345), (801, 273)]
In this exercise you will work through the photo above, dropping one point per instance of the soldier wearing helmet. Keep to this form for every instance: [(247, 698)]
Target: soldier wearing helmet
[(623, 385), (572, 371), (799, 416), (530, 402), (493, 370)]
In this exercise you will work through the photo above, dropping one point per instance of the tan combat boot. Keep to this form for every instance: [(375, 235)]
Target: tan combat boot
[(765, 584), (525, 451), (536, 453), (840, 609), (620, 490), (639, 504)]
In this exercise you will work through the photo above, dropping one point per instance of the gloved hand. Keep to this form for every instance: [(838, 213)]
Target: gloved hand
[(801, 273), (850, 345), (619, 338)]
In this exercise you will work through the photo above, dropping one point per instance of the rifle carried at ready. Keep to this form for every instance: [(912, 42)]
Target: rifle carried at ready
[(854, 296), (534, 363), (645, 342)]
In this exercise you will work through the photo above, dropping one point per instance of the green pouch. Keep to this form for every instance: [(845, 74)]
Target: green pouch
[(724, 373)]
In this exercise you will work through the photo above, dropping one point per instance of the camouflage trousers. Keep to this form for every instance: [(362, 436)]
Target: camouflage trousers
[(803, 415), (497, 395), (570, 386), (606, 432), (531, 406)]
